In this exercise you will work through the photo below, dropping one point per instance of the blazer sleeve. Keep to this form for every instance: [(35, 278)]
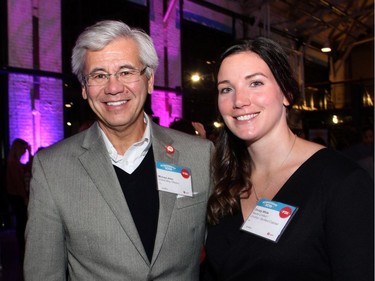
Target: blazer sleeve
[(45, 253)]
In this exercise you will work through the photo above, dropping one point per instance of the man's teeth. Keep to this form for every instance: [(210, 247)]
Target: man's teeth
[(116, 102), (246, 117)]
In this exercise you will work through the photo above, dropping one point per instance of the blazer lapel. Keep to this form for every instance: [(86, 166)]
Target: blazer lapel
[(100, 169), (167, 200)]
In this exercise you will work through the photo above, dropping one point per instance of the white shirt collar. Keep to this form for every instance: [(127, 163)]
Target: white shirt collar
[(136, 152)]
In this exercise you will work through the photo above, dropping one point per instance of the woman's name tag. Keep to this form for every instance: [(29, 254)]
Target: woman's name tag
[(269, 219)]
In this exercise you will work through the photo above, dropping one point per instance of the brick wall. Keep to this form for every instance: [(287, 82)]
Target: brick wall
[(35, 103), (167, 105)]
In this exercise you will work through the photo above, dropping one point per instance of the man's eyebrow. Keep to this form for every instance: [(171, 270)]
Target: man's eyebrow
[(97, 69), (126, 66)]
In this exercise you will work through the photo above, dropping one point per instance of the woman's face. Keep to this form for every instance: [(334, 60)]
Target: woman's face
[(250, 100)]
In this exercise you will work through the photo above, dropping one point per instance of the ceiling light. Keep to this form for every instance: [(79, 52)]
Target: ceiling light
[(326, 48), (195, 77)]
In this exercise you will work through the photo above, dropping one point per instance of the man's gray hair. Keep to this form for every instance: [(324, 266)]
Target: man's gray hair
[(99, 35)]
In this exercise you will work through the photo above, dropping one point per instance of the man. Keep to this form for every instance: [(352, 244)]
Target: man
[(126, 198)]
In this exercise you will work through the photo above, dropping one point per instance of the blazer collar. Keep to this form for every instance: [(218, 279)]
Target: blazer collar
[(160, 142)]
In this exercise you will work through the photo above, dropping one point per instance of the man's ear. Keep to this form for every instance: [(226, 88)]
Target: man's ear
[(150, 84), (84, 92)]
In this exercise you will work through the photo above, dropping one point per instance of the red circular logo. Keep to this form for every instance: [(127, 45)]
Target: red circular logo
[(185, 173), (169, 149), (285, 212)]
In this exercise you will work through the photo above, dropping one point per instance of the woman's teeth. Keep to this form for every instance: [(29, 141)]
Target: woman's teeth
[(246, 117)]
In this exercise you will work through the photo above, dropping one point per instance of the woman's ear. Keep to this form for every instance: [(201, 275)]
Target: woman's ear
[(286, 103)]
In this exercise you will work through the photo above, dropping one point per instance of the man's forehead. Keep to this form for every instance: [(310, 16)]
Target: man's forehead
[(120, 53)]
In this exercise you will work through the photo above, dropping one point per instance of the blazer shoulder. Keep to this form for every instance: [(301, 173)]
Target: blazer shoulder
[(73, 145), (174, 136)]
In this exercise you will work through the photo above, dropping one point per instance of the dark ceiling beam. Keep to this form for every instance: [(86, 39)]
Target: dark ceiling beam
[(224, 11), (328, 24), (35, 72), (251, 20), (336, 10)]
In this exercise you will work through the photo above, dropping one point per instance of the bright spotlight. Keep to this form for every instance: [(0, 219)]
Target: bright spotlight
[(195, 77), (217, 124)]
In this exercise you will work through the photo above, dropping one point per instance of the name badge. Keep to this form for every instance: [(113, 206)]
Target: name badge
[(269, 219), (174, 179)]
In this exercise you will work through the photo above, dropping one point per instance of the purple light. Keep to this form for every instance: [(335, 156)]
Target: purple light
[(37, 121), (35, 103), (166, 105)]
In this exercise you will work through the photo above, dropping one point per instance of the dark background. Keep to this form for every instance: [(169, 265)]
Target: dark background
[(200, 47)]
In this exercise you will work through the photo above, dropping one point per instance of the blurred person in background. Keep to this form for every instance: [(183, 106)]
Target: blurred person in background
[(363, 151), (17, 186)]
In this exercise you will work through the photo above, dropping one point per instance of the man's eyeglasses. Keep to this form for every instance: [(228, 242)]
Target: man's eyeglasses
[(124, 76)]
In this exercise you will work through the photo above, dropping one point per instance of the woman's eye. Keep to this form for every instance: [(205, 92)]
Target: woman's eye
[(224, 90), (256, 83)]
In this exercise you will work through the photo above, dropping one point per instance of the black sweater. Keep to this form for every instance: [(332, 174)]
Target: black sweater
[(140, 191)]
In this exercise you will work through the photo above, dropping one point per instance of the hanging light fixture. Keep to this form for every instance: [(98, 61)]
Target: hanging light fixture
[(326, 47)]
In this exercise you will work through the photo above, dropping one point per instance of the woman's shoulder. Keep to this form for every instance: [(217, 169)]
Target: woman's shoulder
[(328, 161), (304, 151), (308, 150)]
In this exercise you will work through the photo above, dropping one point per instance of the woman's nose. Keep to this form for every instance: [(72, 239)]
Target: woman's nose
[(241, 98)]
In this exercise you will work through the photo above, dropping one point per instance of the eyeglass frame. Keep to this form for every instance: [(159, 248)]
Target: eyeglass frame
[(116, 74)]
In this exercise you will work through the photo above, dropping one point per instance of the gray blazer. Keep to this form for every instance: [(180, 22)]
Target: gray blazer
[(80, 226)]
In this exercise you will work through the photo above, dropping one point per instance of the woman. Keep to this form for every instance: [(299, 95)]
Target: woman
[(325, 229)]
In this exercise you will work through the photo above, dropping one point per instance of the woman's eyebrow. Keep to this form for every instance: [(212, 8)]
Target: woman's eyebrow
[(256, 74), (246, 77)]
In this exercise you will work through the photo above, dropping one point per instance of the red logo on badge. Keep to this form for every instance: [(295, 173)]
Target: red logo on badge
[(169, 149), (185, 173), (285, 212)]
